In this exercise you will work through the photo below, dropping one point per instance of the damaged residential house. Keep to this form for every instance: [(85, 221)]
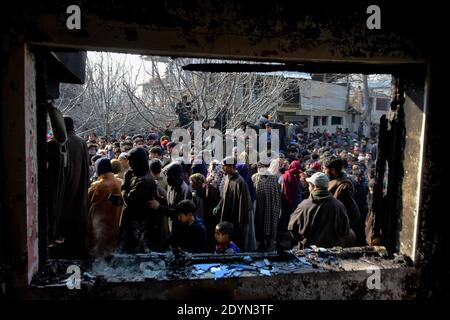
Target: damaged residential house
[(39, 52), (319, 104)]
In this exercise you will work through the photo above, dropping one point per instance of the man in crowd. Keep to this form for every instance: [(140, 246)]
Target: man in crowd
[(184, 111), (268, 207), (235, 204), (321, 220), (68, 214), (190, 236), (342, 189)]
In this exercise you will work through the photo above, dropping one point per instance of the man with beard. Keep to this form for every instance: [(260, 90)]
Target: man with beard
[(342, 189)]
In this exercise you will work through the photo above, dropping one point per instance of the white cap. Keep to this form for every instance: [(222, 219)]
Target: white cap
[(123, 155), (319, 179)]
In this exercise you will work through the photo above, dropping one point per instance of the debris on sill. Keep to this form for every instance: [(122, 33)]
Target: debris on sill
[(120, 268)]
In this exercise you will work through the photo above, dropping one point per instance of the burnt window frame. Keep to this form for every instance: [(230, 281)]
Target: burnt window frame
[(400, 77)]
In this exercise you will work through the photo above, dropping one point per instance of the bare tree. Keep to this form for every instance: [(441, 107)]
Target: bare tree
[(368, 106), (114, 101), (234, 96), (101, 104)]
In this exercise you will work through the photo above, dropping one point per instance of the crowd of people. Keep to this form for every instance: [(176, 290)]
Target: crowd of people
[(130, 194)]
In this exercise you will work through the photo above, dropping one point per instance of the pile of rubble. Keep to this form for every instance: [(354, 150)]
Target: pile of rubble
[(181, 265)]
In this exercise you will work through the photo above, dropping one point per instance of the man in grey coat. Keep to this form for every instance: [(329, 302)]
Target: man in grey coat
[(321, 219)]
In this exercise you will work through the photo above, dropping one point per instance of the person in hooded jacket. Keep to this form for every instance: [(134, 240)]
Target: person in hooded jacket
[(105, 210), (177, 191), (140, 224), (291, 196)]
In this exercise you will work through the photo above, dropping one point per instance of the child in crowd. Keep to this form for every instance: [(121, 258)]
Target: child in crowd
[(190, 236), (223, 234)]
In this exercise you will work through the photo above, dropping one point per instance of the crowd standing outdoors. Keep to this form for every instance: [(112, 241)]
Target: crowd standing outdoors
[(131, 194)]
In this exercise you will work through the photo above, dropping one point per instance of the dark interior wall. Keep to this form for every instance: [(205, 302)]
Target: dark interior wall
[(304, 32), (433, 237), (13, 203), (276, 30)]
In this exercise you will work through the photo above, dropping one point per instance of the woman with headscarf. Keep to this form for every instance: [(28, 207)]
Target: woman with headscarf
[(198, 193), (105, 210), (140, 224), (177, 190), (212, 195), (291, 196), (274, 167), (244, 172), (278, 167)]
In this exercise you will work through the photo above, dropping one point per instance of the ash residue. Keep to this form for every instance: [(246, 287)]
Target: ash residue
[(179, 265), (142, 267), (55, 272), (133, 268)]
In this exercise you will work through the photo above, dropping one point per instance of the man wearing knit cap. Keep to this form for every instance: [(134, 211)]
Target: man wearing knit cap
[(321, 219), (153, 140)]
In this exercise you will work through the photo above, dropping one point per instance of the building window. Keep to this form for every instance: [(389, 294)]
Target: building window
[(382, 104), (336, 121), (372, 101), (353, 118), (316, 121), (324, 121)]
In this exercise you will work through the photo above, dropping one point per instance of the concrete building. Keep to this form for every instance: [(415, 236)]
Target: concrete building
[(323, 106), (380, 98), (318, 106)]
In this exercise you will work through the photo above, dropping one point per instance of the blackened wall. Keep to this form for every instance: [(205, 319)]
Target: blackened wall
[(316, 33)]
